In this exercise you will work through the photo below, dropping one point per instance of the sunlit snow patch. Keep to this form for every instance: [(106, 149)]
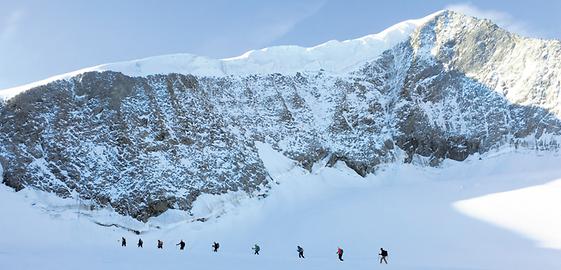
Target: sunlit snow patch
[(534, 212)]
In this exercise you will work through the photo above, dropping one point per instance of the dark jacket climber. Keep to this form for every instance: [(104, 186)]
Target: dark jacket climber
[(140, 242), (340, 253), (215, 246), (383, 254), (256, 248), (160, 244), (300, 252), (123, 242), (181, 245)]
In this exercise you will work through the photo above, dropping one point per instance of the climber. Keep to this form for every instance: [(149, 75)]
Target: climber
[(383, 254), (256, 248), (300, 252), (160, 244), (340, 253), (215, 246), (123, 242), (140, 242), (181, 245)]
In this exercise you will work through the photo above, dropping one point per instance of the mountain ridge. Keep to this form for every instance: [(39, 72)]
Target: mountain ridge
[(143, 145), (261, 61)]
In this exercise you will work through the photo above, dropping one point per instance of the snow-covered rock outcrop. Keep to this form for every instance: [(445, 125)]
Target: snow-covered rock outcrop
[(445, 86)]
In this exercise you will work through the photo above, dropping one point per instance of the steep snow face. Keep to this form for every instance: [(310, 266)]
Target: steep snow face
[(147, 144), (333, 56)]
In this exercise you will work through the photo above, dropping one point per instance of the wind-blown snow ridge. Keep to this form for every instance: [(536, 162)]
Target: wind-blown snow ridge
[(333, 56)]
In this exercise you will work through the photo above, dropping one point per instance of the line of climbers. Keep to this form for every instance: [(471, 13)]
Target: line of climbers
[(256, 248)]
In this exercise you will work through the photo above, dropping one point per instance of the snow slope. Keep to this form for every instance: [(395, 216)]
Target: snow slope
[(409, 210), (527, 211), (333, 56)]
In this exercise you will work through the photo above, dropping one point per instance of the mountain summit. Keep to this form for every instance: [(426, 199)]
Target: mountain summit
[(153, 134)]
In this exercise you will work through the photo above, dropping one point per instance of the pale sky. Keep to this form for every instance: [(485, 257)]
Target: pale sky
[(39, 38)]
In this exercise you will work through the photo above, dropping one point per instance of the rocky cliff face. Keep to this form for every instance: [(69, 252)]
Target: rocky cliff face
[(142, 145)]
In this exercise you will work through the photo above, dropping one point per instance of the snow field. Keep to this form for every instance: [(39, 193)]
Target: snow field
[(409, 210)]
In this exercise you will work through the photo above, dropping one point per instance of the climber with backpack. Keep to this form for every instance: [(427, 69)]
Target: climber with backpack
[(256, 248), (300, 252), (383, 254), (340, 253)]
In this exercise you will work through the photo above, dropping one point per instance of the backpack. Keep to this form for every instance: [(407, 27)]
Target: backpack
[(384, 253)]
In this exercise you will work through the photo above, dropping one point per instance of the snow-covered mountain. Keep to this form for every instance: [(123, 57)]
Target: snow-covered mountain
[(333, 56), (153, 134)]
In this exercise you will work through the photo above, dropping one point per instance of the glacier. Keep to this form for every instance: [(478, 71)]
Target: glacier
[(415, 212)]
